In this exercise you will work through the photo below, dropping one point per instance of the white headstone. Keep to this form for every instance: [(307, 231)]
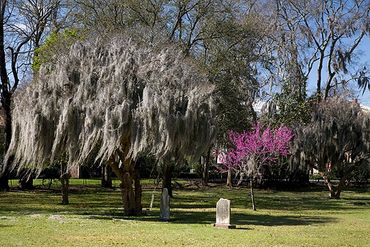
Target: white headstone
[(165, 206), (223, 212)]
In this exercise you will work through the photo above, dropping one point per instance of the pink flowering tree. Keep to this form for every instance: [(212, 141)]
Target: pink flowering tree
[(252, 149)]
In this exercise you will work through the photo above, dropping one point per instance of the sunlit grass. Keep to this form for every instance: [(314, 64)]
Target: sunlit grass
[(94, 218)]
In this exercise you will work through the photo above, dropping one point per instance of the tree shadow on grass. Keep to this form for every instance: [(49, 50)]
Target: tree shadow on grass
[(298, 203), (179, 215), (357, 201), (250, 219), (239, 219), (187, 208), (2, 225), (272, 202)]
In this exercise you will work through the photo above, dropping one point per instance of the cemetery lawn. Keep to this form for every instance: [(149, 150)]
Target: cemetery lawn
[(94, 218)]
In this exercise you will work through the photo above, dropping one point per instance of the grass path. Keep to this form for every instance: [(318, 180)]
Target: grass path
[(94, 219)]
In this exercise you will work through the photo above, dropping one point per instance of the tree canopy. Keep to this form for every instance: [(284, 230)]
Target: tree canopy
[(336, 142), (108, 96)]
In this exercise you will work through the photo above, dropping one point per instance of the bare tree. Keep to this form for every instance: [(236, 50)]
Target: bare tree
[(320, 37)]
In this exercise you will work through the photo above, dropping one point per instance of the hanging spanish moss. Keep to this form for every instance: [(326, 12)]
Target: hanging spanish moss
[(105, 97), (336, 142)]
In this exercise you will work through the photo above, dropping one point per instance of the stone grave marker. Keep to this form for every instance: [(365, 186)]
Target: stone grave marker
[(165, 205), (223, 212)]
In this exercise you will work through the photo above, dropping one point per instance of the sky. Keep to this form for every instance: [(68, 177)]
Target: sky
[(362, 59), (365, 58)]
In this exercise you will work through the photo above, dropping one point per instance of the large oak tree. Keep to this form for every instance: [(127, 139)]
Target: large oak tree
[(110, 100)]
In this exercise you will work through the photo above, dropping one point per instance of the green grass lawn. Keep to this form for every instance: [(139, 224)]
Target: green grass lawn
[(94, 218)]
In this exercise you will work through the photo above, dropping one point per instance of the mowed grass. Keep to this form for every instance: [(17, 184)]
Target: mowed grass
[(94, 218)]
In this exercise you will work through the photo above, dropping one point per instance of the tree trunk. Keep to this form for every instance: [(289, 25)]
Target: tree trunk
[(128, 194), (319, 70), (64, 180), (4, 173), (334, 191), (106, 181), (229, 181), (341, 185), (252, 195), (138, 189), (131, 191), (167, 179), (205, 174), (26, 183), (6, 96), (241, 177), (4, 182)]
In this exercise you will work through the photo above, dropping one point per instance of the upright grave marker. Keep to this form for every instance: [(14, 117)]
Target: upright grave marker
[(165, 205), (223, 212)]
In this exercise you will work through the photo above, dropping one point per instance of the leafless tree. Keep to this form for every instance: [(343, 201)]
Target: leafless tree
[(319, 37)]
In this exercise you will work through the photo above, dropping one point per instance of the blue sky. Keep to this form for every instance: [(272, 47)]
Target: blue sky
[(363, 58)]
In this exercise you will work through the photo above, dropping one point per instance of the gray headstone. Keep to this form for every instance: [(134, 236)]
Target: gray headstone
[(223, 211), (165, 206)]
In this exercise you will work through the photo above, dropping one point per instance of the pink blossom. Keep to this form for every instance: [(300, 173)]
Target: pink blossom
[(264, 146)]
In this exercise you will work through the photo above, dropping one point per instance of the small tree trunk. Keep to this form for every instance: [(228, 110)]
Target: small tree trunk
[(4, 171), (333, 194), (106, 181), (6, 99), (331, 189), (241, 177), (64, 180), (334, 191), (151, 202), (4, 183), (138, 189), (252, 195), (229, 181), (167, 179), (26, 183), (205, 174)]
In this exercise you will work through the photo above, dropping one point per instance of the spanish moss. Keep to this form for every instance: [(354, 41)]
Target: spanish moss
[(112, 96)]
